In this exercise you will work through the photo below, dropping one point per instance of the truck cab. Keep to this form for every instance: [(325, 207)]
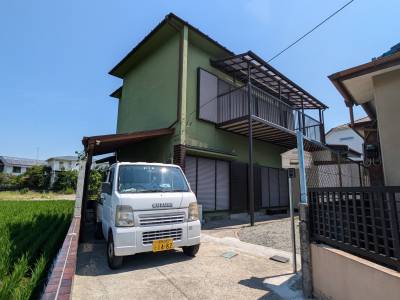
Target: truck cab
[(147, 207)]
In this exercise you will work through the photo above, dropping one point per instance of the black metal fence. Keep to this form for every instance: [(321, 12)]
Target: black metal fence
[(360, 220)]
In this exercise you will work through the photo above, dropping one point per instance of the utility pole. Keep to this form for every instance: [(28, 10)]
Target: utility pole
[(305, 248)]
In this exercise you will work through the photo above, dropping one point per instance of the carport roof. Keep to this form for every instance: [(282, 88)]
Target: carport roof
[(102, 144)]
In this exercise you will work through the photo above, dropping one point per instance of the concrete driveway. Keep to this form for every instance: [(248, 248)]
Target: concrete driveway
[(172, 275)]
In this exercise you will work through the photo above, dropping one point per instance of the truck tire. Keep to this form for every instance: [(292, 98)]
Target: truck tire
[(191, 250), (114, 262)]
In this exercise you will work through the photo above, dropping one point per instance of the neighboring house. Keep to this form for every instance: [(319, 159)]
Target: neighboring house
[(17, 165), (345, 135), (61, 163), (184, 99), (376, 87)]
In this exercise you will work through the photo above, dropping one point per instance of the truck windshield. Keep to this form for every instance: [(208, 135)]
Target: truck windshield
[(150, 179)]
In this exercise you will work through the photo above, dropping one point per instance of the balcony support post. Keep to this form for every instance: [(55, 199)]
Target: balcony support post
[(303, 117), (250, 167), (321, 126)]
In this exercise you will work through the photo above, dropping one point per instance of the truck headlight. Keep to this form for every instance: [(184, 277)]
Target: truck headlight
[(193, 214), (124, 216)]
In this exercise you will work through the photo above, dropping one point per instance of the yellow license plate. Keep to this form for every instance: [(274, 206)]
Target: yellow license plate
[(163, 245)]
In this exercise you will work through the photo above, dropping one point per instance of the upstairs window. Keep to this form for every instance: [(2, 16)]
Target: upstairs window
[(209, 87)]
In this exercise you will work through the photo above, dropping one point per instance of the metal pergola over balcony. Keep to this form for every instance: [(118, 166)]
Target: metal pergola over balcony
[(266, 77), (260, 116)]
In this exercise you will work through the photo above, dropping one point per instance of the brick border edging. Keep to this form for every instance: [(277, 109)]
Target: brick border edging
[(60, 281)]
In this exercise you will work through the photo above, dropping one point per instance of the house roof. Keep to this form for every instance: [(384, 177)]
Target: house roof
[(70, 158), (18, 161), (355, 84), (347, 125), (393, 50), (173, 22), (117, 93)]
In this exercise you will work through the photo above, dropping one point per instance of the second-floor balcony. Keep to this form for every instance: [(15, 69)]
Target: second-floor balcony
[(277, 105), (267, 111)]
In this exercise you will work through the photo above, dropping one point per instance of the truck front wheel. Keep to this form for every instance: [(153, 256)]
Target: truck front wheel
[(191, 250), (114, 262)]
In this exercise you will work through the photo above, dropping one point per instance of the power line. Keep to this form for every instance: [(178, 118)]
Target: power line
[(304, 35), (292, 44)]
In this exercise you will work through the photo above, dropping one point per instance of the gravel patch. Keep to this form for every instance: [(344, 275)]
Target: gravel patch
[(274, 234)]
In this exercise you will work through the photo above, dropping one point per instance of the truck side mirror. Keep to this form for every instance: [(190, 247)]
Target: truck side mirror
[(106, 188)]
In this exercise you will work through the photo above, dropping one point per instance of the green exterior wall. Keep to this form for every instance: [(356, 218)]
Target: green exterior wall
[(150, 91), (205, 135), (154, 150), (150, 101), (150, 98)]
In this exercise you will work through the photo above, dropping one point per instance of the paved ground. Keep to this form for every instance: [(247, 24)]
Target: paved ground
[(171, 275)]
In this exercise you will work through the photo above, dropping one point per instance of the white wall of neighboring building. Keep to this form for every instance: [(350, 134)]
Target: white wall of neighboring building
[(9, 170), (344, 135), (58, 165)]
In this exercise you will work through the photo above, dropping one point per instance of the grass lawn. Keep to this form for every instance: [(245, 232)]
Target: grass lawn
[(31, 195), (31, 233)]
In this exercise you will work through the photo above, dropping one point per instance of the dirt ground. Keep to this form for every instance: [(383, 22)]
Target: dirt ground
[(275, 234)]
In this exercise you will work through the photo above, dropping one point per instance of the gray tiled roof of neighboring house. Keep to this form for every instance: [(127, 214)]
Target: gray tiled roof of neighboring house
[(18, 161), (71, 158), (346, 125)]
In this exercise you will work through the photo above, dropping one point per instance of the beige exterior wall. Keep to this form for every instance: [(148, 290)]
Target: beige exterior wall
[(339, 275), (387, 102)]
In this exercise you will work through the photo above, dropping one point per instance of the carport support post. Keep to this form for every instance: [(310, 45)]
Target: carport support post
[(250, 168), (88, 166), (305, 247)]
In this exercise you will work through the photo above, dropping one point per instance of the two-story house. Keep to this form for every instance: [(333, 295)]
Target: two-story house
[(345, 135), (61, 163), (185, 100)]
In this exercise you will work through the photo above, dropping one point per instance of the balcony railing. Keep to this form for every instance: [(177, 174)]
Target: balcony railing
[(233, 105)]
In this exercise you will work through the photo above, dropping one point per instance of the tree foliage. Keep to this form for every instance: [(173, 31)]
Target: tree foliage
[(65, 181), (97, 176), (37, 178)]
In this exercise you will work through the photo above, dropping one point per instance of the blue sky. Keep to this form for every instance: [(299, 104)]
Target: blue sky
[(55, 56)]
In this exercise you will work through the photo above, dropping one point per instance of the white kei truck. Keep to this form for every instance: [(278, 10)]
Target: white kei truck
[(147, 207)]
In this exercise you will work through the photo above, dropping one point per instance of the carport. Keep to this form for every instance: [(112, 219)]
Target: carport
[(111, 143)]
